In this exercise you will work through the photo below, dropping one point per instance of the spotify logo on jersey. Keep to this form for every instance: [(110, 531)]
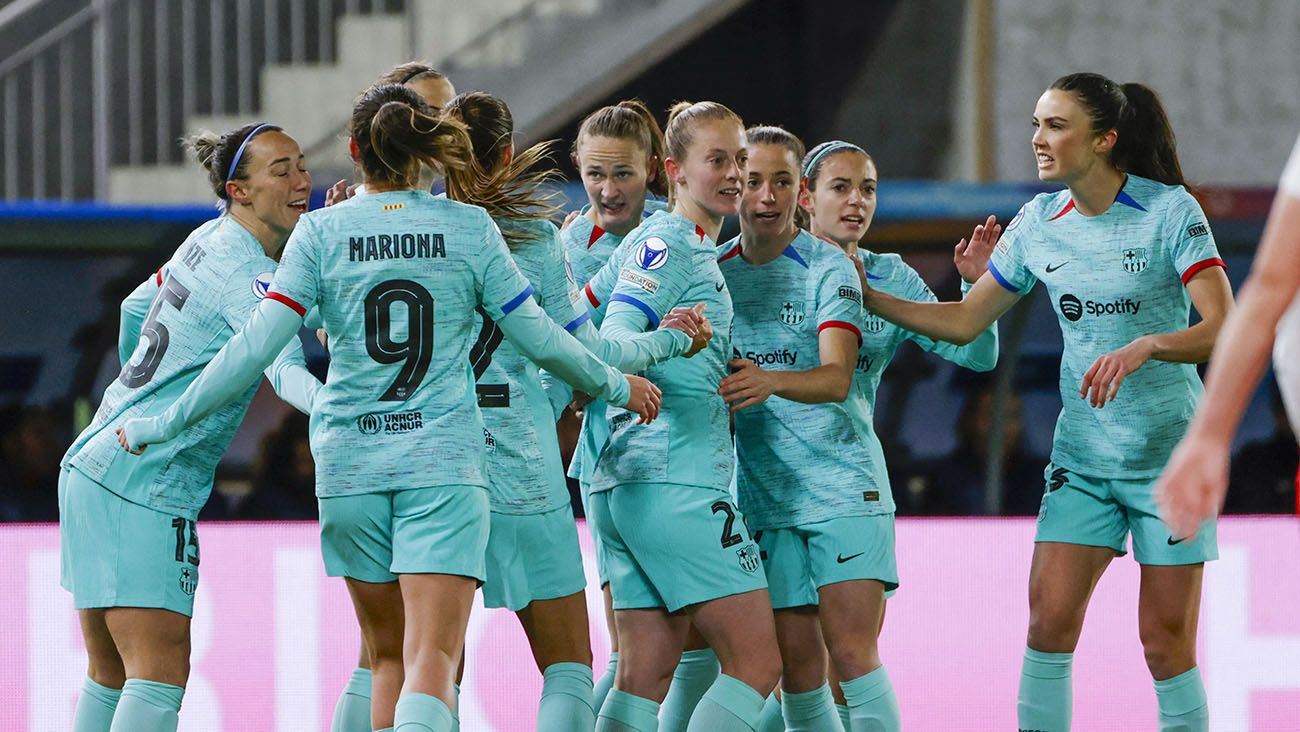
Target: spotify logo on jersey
[(1071, 308)]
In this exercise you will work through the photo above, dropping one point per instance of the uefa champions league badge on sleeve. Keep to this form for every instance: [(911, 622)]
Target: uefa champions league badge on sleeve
[(262, 284), (652, 254)]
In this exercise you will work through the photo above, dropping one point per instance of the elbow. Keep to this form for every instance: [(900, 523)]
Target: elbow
[(984, 366)]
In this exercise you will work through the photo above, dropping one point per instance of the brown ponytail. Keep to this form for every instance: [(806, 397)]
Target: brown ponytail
[(511, 193), (1145, 143), (395, 134), (630, 119)]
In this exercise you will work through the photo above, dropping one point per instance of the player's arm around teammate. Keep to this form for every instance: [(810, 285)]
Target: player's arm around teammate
[(660, 496), (128, 535), (1122, 252), (1193, 486), (415, 631)]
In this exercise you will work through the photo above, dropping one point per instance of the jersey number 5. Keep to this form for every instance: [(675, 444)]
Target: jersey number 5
[(136, 375), (416, 350)]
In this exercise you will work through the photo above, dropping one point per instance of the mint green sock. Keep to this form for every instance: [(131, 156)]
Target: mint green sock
[(624, 712), (95, 707), (694, 675), (872, 704), (606, 682), (1181, 702), (148, 706), (769, 720), (1046, 699), (845, 721), (421, 713), (352, 711), (730, 705), (566, 698), (811, 711)]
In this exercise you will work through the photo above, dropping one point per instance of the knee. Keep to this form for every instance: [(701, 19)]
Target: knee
[(1054, 628), (852, 660), (1168, 645), (645, 675)]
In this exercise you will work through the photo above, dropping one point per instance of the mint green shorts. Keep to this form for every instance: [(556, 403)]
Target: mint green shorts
[(373, 537), (671, 545), (1090, 511), (584, 491), (801, 560), (115, 553), (532, 558)]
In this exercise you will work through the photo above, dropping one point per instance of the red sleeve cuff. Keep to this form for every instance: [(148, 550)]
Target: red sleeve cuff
[(159, 276), (841, 324), (290, 302), (1203, 264), (591, 296)]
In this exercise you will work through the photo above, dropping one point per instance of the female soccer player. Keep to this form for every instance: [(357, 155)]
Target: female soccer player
[(829, 554), (660, 503), (1192, 488), (619, 153), (534, 566), (397, 437), (1121, 252), (352, 711), (130, 550)]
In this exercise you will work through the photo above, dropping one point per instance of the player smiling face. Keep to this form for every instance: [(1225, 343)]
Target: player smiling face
[(771, 190), (715, 163), (1065, 146), (277, 186), (615, 172), (842, 200)]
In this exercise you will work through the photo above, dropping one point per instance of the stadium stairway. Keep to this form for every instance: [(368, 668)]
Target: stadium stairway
[(551, 59)]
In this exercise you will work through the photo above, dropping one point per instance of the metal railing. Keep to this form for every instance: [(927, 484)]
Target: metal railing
[(114, 81)]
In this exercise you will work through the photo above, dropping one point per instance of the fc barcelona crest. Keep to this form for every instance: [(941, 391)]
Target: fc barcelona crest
[(873, 323), (1135, 260), (791, 313)]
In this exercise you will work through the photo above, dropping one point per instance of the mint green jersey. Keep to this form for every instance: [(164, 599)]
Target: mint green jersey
[(1113, 278), (664, 263), (526, 475), (587, 248), (880, 341), (403, 280), (203, 296), (797, 463)]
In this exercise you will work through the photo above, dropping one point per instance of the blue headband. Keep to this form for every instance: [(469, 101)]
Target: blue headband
[(831, 147), (240, 152)]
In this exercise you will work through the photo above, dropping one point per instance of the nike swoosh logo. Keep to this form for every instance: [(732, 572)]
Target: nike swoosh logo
[(720, 285), (1051, 269), (841, 559), (1172, 542)]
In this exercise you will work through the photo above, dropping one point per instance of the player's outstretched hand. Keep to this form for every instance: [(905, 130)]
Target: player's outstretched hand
[(126, 445), (748, 384), (645, 399), (972, 257), (1193, 485), (1102, 380), (569, 219), (339, 192), (704, 330)]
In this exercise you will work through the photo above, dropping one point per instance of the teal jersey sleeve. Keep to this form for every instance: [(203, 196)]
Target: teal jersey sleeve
[(980, 354), (667, 262), (134, 310), (797, 463), (507, 298), (1112, 278), (291, 380), (209, 288), (1193, 243), (1007, 264), (297, 280), (235, 367)]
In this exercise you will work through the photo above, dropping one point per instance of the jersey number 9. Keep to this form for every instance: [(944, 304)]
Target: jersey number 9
[(415, 351)]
